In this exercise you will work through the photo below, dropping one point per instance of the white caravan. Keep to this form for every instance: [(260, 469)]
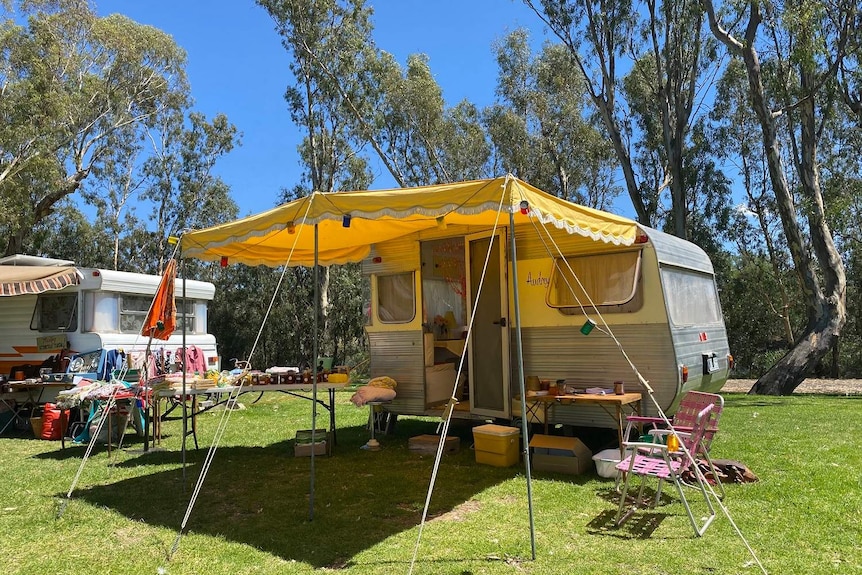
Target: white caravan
[(53, 309)]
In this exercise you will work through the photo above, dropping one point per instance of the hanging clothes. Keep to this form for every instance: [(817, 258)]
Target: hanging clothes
[(193, 359), (115, 359)]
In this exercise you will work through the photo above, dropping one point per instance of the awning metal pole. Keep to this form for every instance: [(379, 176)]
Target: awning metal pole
[(314, 372), (520, 353), (185, 371)]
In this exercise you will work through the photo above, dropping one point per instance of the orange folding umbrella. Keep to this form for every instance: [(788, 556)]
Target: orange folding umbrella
[(161, 320)]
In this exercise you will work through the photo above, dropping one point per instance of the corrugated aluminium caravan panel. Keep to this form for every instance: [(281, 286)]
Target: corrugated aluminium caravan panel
[(691, 343), (595, 360), (675, 251), (400, 355), (394, 256)]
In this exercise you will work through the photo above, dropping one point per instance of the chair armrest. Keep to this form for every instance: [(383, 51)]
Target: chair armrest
[(643, 419), (643, 446), (666, 432)]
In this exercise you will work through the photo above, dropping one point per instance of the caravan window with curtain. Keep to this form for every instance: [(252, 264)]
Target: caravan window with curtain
[(55, 312), (611, 280), (134, 308), (396, 298)]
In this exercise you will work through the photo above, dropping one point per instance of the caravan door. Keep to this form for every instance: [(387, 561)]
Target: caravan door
[(487, 298)]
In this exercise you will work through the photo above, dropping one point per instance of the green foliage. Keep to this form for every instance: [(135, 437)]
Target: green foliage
[(752, 305), (540, 129), (77, 90), (265, 315)]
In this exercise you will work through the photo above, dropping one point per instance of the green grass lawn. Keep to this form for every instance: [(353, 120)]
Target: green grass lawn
[(252, 515)]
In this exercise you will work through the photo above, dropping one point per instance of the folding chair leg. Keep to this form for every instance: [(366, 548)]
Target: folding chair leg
[(699, 530), (658, 492), (621, 518), (718, 482)]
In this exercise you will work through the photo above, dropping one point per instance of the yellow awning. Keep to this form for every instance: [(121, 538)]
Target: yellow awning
[(285, 235)]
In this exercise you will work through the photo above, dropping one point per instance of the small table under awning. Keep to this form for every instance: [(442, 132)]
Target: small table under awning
[(611, 403)]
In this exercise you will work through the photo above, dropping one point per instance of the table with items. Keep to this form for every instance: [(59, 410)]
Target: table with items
[(615, 405), (200, 399), (23, 399)]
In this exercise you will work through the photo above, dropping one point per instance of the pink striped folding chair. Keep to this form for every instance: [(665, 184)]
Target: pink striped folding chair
[(654, 460)]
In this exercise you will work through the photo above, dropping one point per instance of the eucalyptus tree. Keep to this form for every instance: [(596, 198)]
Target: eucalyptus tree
[(416, 136), (74, 87), (539, 128), (179, 185), (756, 230), (69, 233), (352, 100), (327, 41), (662, 47), (607, 38), (113, 193), (796, 38)]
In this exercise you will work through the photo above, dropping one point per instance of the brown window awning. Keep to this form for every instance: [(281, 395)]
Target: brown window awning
[(19, 280)]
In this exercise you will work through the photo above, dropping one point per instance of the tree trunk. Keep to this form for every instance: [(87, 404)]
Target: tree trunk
[(835, 372), (825, 292), (791, 370)]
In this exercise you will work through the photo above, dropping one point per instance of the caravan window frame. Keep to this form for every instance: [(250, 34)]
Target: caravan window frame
[(628, 300), (55, 304), (131, 320), (680, 292), (408, 280)]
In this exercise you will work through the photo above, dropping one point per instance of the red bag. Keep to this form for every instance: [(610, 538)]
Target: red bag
[(51, 422)]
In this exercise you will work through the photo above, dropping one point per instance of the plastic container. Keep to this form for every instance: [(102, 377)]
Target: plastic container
[(496, 445), (606, 462)]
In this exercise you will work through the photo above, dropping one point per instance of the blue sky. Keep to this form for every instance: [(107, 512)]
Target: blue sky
[(237, 66)]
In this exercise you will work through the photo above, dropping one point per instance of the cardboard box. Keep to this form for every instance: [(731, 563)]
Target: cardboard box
[(560, 454), (430, 443), (303, 446), (305, 449), (496, 445)]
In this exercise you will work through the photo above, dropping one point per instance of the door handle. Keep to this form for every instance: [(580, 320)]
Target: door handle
[(501, 323)]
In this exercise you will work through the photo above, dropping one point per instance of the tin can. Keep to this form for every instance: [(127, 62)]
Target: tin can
[(619, 389)]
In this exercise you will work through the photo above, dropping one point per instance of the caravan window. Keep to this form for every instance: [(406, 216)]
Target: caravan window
[(55, 312), (691, 297), (396, 298), (134, 308), (610, 279)]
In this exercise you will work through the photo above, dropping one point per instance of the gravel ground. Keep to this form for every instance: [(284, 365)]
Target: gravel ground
[(827, 386)]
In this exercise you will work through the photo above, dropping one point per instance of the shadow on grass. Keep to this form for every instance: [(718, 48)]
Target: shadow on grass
[(755, 401), (262, 497), (641, 525)]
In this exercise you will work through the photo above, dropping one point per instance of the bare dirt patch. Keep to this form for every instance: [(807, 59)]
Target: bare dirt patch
[(824, 386), (460, 512)]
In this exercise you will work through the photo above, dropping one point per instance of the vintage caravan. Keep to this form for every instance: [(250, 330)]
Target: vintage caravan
[(459, 273), (51, 308), (654, 305)]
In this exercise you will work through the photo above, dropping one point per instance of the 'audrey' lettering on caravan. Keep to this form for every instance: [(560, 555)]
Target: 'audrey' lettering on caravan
[(537, 280)]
